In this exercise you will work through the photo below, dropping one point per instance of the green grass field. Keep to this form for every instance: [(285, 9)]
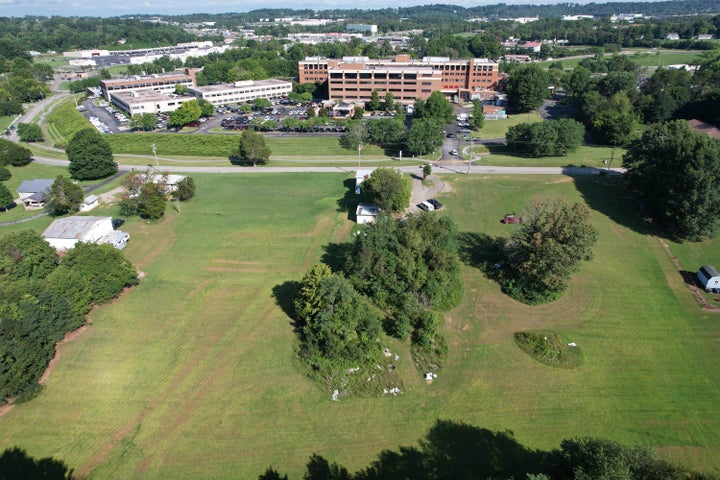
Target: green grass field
[(191, 373), (498, 128), (584, 156), (644, 58), (5, 122)]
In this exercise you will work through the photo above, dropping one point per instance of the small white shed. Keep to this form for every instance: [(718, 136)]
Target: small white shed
[(90, 202), (709, 278), (64, 233), (366, 213), (360, 177)]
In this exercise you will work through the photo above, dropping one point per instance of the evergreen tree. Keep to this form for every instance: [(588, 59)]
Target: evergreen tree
[(152, 201), (65, 197), (90, 156), (6, 198)]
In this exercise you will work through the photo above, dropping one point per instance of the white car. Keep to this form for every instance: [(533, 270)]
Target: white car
[(426, 206), (453, 152)]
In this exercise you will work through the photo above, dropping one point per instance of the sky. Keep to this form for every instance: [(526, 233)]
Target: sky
[(96, 8)]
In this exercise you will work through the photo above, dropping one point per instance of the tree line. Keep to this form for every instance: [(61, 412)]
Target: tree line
[(44, 296)]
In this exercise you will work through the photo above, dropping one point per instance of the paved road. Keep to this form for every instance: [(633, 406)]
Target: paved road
[(439, 167)]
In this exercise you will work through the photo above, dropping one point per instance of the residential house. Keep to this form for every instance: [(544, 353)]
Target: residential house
[(32, 193)]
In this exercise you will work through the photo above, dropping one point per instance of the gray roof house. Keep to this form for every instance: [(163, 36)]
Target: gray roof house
[(32, 193)]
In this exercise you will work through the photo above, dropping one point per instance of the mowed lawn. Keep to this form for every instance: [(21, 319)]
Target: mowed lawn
[(191, 374)]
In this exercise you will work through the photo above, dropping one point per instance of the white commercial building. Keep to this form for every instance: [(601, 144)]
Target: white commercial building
[(144, 101), (244, 91), (65, 233), (361, 27)]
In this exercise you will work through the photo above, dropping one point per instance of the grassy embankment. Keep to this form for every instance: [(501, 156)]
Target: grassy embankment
[(205, 385)]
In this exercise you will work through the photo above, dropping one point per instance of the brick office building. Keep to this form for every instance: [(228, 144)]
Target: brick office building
[(354, 78)]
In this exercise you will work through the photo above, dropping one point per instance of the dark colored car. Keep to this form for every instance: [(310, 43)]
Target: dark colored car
[(435, 203)]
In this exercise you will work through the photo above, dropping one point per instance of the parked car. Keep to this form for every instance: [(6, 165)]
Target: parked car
[(453, 152), (508, 219), (436, 204), (426, 206)]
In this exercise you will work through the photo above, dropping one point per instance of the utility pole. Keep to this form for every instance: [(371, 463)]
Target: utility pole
[(155, 154), (471, 154)]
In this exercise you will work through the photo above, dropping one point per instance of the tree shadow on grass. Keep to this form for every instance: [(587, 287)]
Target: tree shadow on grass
[(450, 450), (349, 202), (482, 251), (608, 195), (284, 295), (336, 255)]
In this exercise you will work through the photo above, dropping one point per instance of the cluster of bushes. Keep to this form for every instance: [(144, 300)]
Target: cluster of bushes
[(79, 86), (146, 195), (398, 274), (546, 347), (44, 296)]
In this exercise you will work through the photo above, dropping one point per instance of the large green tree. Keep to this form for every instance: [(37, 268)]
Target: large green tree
[(552, 240), (436, 107), (30, 132), (425, 136), (387, 132), (374, 103), (613, 122), (252, 149), (13, 154), (527, 88), (676, 172), (478, 117), (90, 156), (144, 121), (548, 138), (6, 198), (666, 92), (65, 197), (337, 324), (151, 201), (25, 255), (188, 112), (390, 189)]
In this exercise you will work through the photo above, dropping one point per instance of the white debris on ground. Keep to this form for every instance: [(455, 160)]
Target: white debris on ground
[(572, 344), (429, 377), (394, 391), (387, 352), (353, 370), (335, 396)]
